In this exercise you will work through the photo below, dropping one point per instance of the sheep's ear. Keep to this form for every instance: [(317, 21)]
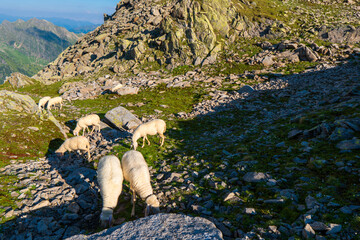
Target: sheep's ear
[(110, 221)]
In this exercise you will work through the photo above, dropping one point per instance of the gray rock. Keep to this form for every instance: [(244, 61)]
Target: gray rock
[(267, 61), (310, 202), (319, 226), (341, 133), (246, 89), (334, 228), (308, 232), (160, 226), (255, 177), (250, 211), (349, 144), (122, 118)]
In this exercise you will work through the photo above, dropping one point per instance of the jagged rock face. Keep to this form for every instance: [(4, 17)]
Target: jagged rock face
[(172, 33), (18, 80)]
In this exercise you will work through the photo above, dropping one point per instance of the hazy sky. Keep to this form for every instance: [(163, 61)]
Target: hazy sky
[(87, 10)]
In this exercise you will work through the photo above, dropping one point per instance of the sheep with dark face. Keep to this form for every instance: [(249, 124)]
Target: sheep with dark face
[(136, 172), (110, 179)]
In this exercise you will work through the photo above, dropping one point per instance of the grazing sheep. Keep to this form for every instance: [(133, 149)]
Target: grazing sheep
[(42, 102), (136, 172), (110, 179), (54, 101), (152, 127), (84, 123), (74, 143)]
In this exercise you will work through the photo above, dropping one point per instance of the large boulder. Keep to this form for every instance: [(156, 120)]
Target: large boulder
[(122, 118), (17, 102), (160, 226)]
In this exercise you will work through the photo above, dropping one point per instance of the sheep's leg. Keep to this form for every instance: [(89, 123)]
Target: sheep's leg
[(147, 140), (162, 139), (133, 203), (143, 141), (92, 129)]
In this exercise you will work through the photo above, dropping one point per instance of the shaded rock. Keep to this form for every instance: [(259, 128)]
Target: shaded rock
[(306, 54), (334, 228), (341, 133), (160, 226), (255, 177), (308, 232), (349, 144), (246, 89), (122, 118)]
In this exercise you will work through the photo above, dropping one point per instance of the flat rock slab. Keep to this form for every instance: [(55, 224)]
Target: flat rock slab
[(161, 226), (122, 118)]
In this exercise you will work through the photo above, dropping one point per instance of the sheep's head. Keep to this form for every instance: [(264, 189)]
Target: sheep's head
[(59, 153), (152, 205), (76, 131), (106, 218), (134, 145)]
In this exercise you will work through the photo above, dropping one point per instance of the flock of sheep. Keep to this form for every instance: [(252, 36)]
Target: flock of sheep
[(111, 172)]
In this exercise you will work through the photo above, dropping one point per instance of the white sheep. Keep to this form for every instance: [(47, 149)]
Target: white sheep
[(84, 123), (54, 101), (136, 172), (73, 144), (42, 102), (110, 179), (152, 127)]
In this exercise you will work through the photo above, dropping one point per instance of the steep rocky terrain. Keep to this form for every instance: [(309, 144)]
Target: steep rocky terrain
[(27, 47), (262, 112)]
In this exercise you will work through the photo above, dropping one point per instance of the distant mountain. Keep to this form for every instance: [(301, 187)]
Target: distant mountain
[(74, 26), (27, 47)]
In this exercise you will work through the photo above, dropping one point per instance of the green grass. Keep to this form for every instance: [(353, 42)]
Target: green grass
[(16, 61)]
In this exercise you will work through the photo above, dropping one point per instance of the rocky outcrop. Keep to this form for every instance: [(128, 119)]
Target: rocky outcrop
[(16, 102), (343, 34), (160, 226), (172, 33), (18, 80), (122, 118)]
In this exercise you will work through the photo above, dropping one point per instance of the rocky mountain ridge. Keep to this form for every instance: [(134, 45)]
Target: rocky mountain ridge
[(176, 33)]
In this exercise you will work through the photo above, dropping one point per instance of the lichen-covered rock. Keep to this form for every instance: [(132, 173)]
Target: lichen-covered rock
[(122, 118), (160, 226), (17, 102)]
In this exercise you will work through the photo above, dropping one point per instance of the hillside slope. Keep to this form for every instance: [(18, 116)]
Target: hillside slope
[(27, 46)]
